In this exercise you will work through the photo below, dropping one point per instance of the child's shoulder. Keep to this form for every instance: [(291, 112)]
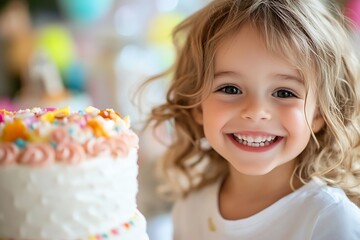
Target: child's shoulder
[(333, 215), (318, 192), (323, 199)]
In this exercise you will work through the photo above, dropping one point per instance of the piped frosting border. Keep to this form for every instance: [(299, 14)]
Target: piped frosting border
[(38, 137)]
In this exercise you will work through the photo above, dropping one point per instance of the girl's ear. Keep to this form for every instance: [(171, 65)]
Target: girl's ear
[(197, 115), (318, 122)]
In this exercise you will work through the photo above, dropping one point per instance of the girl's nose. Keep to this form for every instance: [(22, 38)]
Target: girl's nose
[(255, 109)]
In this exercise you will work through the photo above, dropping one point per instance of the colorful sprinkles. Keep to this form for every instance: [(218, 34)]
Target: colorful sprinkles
[(118, 230), (115, 232), (58, 134)]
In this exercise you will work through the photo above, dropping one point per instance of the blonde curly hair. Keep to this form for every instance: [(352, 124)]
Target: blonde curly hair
[(315, 37)]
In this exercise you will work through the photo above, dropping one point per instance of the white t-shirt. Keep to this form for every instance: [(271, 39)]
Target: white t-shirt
[(314, 211)]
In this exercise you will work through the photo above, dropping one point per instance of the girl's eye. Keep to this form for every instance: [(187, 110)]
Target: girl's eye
[(282, 93), (230, 90)]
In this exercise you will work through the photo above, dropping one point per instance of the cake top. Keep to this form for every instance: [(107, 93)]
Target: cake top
[(42, 136)]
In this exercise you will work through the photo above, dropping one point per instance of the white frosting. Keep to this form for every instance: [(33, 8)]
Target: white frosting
[(62, 201)]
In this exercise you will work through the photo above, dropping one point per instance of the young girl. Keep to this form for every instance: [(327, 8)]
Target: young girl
[(273, 87)]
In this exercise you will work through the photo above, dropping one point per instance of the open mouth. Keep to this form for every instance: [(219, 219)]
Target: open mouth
[(257, 142)]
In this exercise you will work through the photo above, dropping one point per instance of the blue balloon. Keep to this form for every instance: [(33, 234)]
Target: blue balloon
[(85, 11), (75, 77)]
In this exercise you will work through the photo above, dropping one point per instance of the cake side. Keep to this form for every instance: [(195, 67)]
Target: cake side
[(67, 201)]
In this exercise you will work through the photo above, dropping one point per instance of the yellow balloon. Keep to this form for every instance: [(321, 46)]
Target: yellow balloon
[(57, 42), (161, 27)]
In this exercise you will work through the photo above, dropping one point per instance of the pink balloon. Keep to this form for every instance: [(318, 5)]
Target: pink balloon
[(6, 103), (352, 11)]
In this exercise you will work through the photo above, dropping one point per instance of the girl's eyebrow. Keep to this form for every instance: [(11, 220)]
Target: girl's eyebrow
[(226, 73), (276, 76), (290, 77)]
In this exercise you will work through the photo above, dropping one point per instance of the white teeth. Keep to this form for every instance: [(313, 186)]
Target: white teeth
[(258, 141)]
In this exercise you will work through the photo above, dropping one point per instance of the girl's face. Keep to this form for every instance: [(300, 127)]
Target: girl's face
[(255, 116)]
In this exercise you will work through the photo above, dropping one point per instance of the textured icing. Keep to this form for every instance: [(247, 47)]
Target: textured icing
[(68, 201), (38, 137), (68, 175)]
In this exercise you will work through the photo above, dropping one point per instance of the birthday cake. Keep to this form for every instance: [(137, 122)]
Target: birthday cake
[(68, 175)]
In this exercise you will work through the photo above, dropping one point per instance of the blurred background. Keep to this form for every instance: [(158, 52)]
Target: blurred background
[(97, 52)]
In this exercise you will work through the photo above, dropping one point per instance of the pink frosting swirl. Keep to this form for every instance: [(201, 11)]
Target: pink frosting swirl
[(95, 147), (59, 135), (132, 140), (68, 152), (37, 154), (8, 153), (118, 146)]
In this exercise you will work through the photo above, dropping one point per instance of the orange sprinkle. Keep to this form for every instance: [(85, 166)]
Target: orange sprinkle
[(98, 130), (104, 114), (14, 130), (110, 114), (61, 115)]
